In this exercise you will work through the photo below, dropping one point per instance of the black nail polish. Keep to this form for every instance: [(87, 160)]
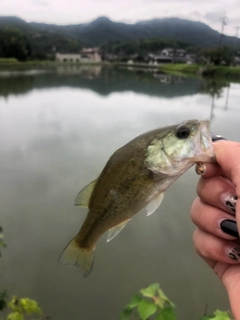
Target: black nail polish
[(230, 227), (216, 137)]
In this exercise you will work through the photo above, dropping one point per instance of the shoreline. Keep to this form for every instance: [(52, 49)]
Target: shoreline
[(204, 71)]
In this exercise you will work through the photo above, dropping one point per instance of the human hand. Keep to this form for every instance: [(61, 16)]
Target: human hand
[(216, 213)]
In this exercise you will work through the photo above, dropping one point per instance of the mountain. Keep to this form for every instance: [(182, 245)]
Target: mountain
[(44, 36)]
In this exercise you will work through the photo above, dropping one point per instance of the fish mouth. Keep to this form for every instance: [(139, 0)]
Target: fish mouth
[(203, 143)]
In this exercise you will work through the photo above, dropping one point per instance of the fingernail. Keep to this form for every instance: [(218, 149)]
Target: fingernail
[(216, 137), (230, 202), (230, 227), (235, 254)]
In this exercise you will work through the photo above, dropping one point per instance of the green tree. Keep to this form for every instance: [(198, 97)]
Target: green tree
[(14, 44), (218, 56), (145, 46)]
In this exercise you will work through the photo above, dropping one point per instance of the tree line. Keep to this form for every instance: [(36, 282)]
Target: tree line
[(16, 44)]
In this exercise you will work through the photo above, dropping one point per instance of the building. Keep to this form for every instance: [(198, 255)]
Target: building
[(85, 55), (170, 55), (169, 52), (91, 54), (68, 57)]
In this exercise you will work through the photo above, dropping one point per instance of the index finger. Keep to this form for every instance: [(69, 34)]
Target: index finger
[(227, 155)]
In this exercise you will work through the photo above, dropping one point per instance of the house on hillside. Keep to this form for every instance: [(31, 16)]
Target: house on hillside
[(170, 55), (85, 55), (170, 52)]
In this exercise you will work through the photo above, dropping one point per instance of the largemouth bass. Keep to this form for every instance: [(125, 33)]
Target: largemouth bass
[(135, 176)]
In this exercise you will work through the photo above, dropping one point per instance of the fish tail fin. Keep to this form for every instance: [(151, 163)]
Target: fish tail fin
[(77, 256)]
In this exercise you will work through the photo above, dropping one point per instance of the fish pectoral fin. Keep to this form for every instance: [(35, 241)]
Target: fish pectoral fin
[(115, 230), (154, 204), (82, 199)]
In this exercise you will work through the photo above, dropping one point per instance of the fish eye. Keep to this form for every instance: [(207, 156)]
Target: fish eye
[(182, 132)]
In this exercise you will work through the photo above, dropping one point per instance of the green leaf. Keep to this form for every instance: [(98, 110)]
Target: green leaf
[(217, 315), (165, 298), (159, 302), (15, 316), (126, 313), (146, 309), (14, 304), (166, 314), (30, 306), (150, 291), (134, 301), (221, 315)]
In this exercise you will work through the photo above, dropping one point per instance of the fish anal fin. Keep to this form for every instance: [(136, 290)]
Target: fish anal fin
[(74, 255), (83, 197), (115, 230), (154, 204)]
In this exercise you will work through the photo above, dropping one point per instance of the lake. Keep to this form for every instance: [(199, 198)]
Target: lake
[(57, 130)]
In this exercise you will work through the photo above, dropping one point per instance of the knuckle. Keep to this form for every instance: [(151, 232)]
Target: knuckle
[(194, 211)]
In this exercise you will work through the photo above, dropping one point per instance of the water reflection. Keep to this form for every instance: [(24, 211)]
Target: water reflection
[(107, 80), (215, 90), (84, 71), (103, 81)]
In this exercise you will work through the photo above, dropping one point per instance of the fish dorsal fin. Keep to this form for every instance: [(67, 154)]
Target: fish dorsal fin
[(154, 204), (115, 230), (82, 199)]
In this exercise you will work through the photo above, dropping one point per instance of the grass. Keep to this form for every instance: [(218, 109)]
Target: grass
[(227, 71), (195, 69), (186, 68), (14, 64), (8, 61)]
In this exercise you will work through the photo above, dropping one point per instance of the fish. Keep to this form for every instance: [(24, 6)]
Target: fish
[(134, 177)]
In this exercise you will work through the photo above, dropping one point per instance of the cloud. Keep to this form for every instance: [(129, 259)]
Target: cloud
[(41, 3), (214, 17)]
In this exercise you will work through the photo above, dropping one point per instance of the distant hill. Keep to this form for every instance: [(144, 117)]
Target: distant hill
[(47, 37)]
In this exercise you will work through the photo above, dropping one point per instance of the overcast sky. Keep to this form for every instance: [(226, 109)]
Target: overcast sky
[(129, 11)]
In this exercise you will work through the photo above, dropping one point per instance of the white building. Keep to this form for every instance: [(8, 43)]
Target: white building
[(91, 54), (68, 57), (85, 55), (169, 52)]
